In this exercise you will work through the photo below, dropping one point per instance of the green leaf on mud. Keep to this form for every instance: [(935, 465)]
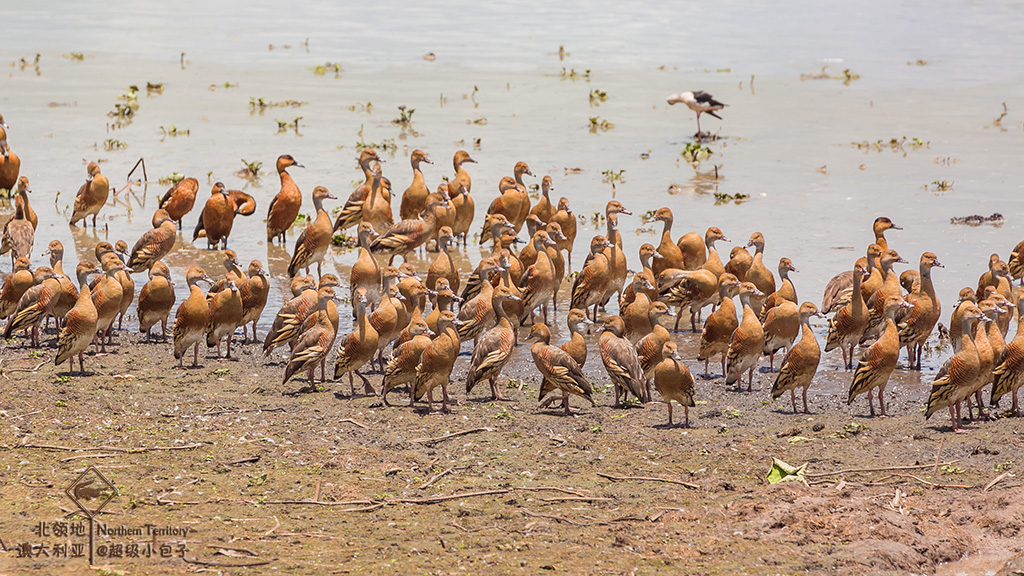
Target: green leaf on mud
[(782, 472)]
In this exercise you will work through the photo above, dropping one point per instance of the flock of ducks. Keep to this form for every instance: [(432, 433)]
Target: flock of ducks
[(415, 346)]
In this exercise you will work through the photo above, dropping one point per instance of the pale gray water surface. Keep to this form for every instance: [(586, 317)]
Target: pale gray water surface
[(786, 142)]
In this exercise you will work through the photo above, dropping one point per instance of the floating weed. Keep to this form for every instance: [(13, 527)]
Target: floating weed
[(938, 187), (172, 178), (901, 144), (612, 177), (358, 107), (251, 169), (75, 56), (917, 63), (998, 122), (573, 75), (173, 131), (326, 68), (111, 144), (597, 97), (718, 71), (598, 124), (154, 88), (22, 64), (996, 219), (723, 198), (261, 104), (405, 116), (225, 85), (846, 75), (344, 240), (695, 152), (387, 145), (479, 121)]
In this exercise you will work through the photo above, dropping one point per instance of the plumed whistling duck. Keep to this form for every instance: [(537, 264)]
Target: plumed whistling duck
[(539, 283), (80, 324), (311, 245), (1016, 261), (284, 208), (746, 343), (401, 367), (494, 348), (673, 381), (10, 164), (35, 304), (313, 345), (877, 365), (801, 362), (414, 199), (616, 257), (254, 291), (647, 253), (68, 293), (521, 169), (476, 314), (156, 300), (635, 314), (692, 250), (759, 274), (544, 209), (713, 263), (365, 272), (154, 244), (443, 266), (650, 346), (575, 347), (786, 291), (217, 218), (918, 325), (965, 296), (1008, 374), (842, 281), (91, 196), (592, 281), (986, 357), (671, 255), (179, 200), (567, 221), (781, 327), (408, 235), (225, 317), (106, 296), (621, 362), (846, 328), (506, 204), (357, 349), (558, 369), (352, 212), (192, 317), (443, 298), (15, 285), (890, 287), (21, 201), (377, 207), (717, 331), (19, 236), (739, 263), (953, 381), (687, 289), (459, 191), (288, 322), (437, 362)]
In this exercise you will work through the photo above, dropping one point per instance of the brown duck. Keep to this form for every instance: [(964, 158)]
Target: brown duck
[(558, 369), (801, 363), (179, 199), (285, 206), (312, 244), (156, 300), (92, 196), (414, 199)]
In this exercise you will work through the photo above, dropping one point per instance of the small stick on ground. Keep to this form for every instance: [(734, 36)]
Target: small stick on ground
[(882, 469), (553, 517), (110, 448), (223, 565), (556, 489), (576, 499), (996, 480), (449, 436), (441, 475), (277, 524), (355, 423), (70, 458), (649, 479), (438, 499), (241, 410)]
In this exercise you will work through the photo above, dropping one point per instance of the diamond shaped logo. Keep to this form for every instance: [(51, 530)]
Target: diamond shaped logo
[(91, 491)]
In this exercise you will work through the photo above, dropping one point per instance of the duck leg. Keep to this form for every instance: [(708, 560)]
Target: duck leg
[(792, 396), (871, 404), (495, 392), (195, 355), (444, 398), (750, 380), (367, 388), (806, 410), (669, 403)]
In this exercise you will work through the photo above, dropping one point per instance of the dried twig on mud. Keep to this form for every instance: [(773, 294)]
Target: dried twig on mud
[(576, 499), (649, 479), (438, 499), (996, 480), (882, 469), (355, 423), (199, 562), (32, 370), (449, 436), (108, 448), (556, 489), (241, 410), (575, 523), (441, 475), (923, 481)]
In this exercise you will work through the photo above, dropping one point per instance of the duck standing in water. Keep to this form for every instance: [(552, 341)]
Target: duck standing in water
[(284, 208), (311, 245), (91, 196), (179, 200)]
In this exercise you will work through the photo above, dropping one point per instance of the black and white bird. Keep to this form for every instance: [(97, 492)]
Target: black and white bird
[(699, 102)]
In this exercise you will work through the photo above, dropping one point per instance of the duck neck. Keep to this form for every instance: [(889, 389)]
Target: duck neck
[(318, 204), (926, 281), (856, 300)]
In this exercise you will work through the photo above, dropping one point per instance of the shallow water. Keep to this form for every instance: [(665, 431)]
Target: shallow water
[(786, 142)]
